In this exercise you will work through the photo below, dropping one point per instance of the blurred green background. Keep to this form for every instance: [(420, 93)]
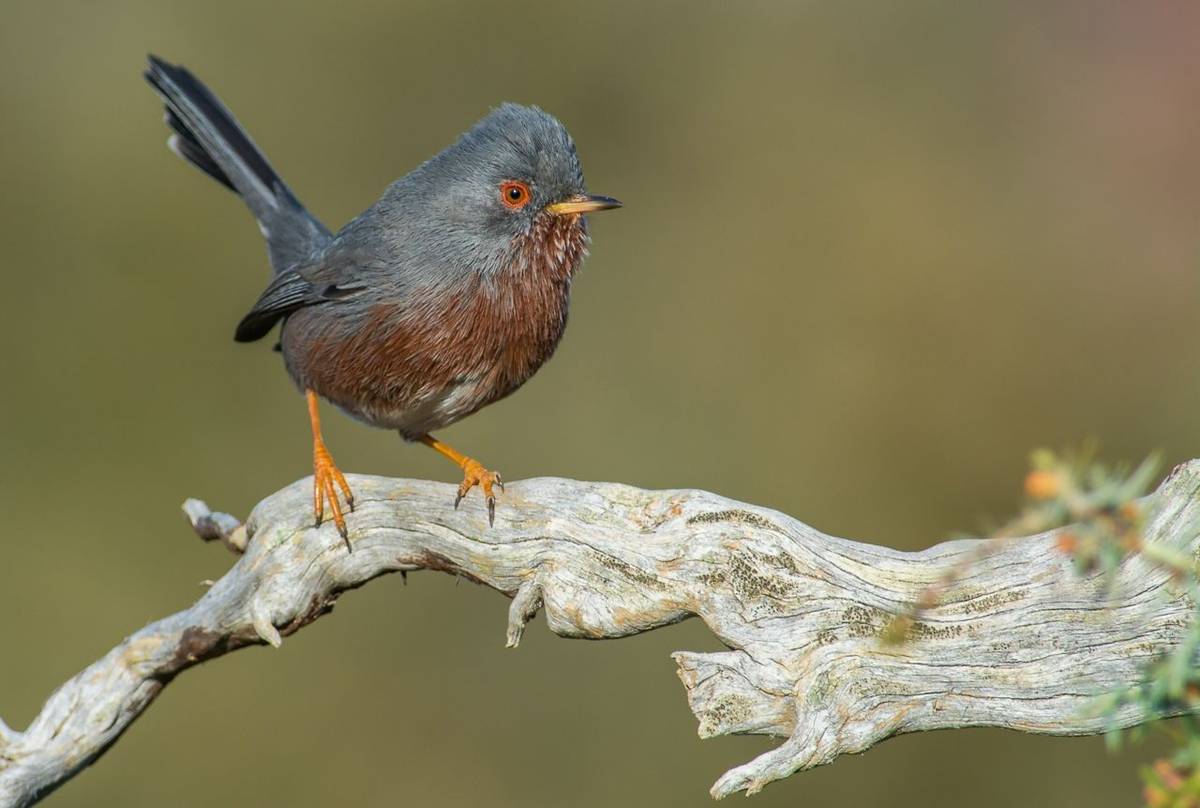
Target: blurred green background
[(872, 253)]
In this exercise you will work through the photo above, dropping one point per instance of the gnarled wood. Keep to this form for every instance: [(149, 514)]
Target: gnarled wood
[(1018, 641)]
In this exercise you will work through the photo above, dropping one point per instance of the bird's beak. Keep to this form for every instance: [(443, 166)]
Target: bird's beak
[(583, 203)]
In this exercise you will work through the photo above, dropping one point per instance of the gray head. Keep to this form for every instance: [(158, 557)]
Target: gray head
[(512, 171)]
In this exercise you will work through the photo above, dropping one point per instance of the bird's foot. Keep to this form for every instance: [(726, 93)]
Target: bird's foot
[(325, 476), (474, 474)]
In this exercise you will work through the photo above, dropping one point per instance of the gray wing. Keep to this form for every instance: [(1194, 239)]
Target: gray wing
[(294, 289)]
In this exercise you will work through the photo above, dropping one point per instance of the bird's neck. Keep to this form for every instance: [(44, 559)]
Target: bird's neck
[(527, 301)]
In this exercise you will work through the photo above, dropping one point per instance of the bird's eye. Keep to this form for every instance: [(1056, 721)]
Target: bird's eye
[(514, 195)]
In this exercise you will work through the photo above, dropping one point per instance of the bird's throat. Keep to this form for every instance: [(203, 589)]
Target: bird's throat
[(553, 249)]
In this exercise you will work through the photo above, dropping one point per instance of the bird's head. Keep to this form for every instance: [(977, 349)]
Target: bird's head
[(512, 178)]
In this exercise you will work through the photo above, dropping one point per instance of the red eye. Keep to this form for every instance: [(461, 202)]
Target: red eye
[(514, 194)]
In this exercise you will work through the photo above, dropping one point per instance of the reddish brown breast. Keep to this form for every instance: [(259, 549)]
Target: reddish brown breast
[(437, 356)]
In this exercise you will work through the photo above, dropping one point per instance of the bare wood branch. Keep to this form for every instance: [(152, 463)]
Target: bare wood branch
[(212, 526), (1019, 641)]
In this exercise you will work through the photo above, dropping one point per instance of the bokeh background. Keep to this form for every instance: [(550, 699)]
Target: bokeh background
[(872, 253)]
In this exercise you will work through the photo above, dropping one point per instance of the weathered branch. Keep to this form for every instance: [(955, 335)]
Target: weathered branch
[(1019, 641)]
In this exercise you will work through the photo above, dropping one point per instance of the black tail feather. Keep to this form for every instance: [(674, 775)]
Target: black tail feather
[(184, 143), (207, 135), (202, 107)]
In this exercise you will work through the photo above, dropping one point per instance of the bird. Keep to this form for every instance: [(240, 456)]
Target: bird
[(445, 295)]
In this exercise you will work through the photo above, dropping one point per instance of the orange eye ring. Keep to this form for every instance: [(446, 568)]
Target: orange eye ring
[(515, 195)]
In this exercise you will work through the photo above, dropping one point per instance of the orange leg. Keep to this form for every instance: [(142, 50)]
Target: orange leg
[(326, 475), (473, 474)]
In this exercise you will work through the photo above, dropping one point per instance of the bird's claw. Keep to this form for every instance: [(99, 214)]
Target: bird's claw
[(326, 475), (474, 474)]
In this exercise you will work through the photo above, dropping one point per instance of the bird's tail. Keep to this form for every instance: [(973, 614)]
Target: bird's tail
[(207, 135)]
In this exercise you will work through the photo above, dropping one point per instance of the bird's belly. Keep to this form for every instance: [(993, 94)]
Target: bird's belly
[(420, 413), (416, 369)]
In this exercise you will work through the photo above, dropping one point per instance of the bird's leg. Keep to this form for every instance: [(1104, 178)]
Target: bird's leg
[(473, 474), (326, 475)]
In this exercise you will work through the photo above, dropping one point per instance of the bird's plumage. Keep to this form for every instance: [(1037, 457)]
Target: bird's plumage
[(435, 301), (427, 352)]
